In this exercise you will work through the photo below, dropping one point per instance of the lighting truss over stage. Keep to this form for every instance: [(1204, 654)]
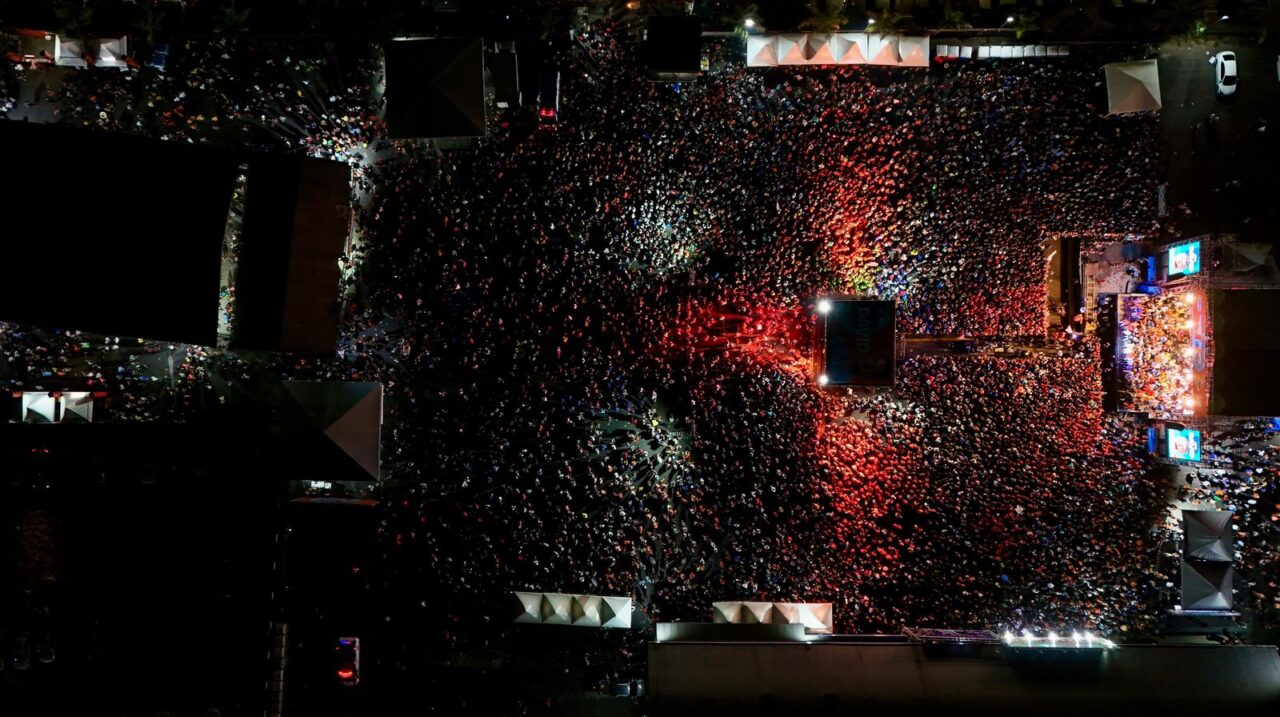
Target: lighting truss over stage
[(1076, 639)]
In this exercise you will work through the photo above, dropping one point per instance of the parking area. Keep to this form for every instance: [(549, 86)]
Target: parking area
[(1221, 152)]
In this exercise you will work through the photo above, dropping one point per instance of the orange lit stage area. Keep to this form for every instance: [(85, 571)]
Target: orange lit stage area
[(1163, 353)]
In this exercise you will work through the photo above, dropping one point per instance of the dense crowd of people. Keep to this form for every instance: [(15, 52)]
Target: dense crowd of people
[(596, 338), (1157, 355)]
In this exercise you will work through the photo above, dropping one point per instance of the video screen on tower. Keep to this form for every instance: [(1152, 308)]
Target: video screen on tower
[(1184, 444), (1184, 259)]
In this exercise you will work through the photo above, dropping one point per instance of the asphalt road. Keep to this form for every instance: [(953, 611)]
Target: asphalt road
[(1221, 162)]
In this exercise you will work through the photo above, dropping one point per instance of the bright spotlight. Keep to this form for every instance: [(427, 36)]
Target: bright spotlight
[(824, 306), (823, 380), (749, 23), (1189, 297), (1009, 19), (871, 22), (1224, 18)]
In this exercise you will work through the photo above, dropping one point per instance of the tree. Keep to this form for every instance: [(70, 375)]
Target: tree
[(232, 19), (889, 23), (147, 21), (954, 19), (1177, 17), (1025, 22), (1267, 17), (734, 14), (74, 18), (825, 16)]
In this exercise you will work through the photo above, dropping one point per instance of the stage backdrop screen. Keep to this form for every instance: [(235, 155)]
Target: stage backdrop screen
[(858, 343), (1184, 444), (1184, 259)]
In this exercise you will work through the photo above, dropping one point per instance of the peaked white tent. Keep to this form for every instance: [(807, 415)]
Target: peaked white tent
[(914, 51), (883, 50), (844, 48), (602, 611), (762, 51), (39, 407), (77, 406), (1207, 535), (555, 609), (851, 48), (111, 52), (1133, 86), (1206, 586), (819, 49), (348, 413), (791, 49), (815, 617), (68, 53)]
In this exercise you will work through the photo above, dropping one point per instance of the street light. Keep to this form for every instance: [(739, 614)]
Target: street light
[(749, 23), (1007, 20), (871, 22)]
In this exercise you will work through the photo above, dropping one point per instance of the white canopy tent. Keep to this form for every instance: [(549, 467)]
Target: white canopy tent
[(1133, 87), (851, 48), (77, 406), (844, 48), (1206, 586), (762, 51), (604, 611), (814, 616), (1207, 535), (110, 52), (914, 51), (791, 50), (39, 407), (68, 53), (883, 50)]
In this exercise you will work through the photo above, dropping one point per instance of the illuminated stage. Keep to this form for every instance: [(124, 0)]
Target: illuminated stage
[(1162, 353)]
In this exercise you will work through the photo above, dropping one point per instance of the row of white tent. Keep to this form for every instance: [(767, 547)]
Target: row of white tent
[(995, 52), (815, 616), (605, 611), (111, 52), (45, 407), (40, 47), (840, 48)]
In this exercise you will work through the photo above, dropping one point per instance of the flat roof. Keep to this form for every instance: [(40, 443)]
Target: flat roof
[(1246, 352), (119, 235)]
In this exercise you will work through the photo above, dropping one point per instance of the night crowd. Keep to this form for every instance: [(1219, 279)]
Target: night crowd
[(595, 337)]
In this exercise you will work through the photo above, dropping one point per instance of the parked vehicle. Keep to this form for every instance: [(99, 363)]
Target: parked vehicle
[(1225, 72), (348, 661), (549, 96)]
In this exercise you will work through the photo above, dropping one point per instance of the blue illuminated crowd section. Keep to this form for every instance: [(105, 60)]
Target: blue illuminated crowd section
[(858, 343)]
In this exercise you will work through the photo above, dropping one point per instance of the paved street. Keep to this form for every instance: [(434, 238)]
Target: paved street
[(1222, 169)]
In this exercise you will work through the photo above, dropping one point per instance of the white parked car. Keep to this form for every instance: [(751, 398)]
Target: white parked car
[(1225, 72)]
